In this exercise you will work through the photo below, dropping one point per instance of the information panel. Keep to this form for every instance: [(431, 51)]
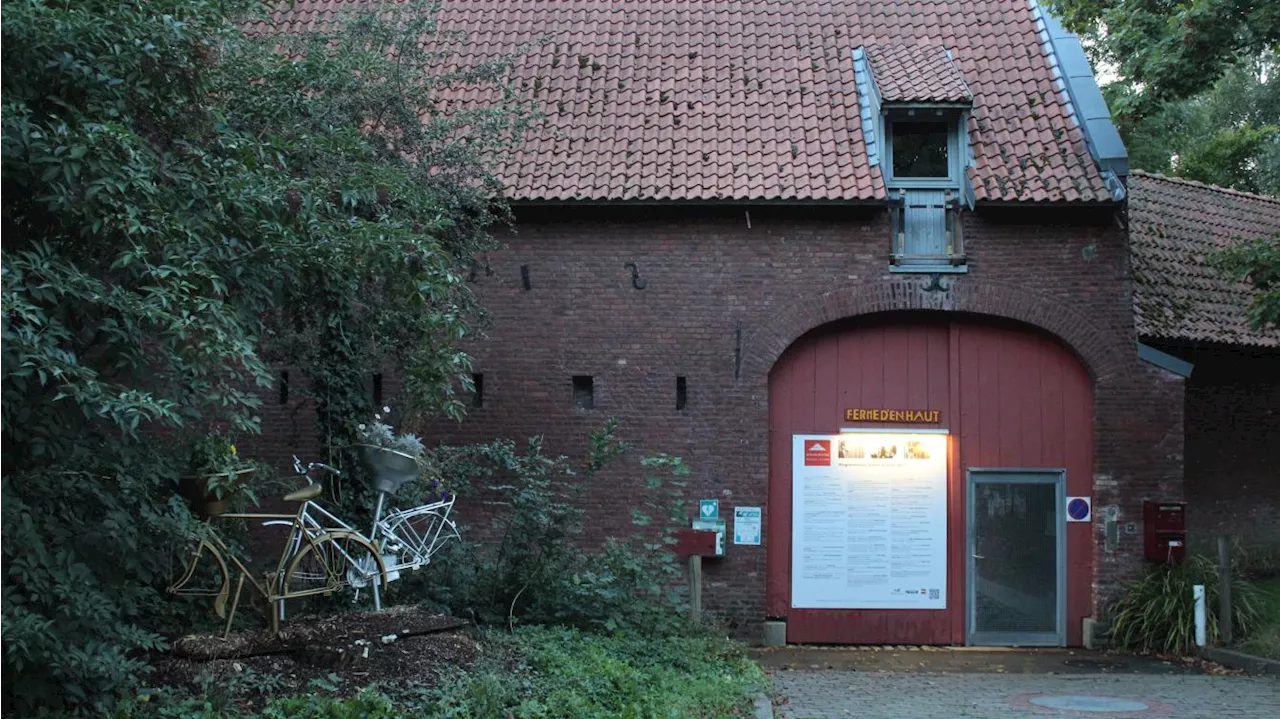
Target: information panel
[(869, 521)]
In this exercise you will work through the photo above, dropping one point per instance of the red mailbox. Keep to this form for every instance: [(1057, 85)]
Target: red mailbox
[(1164, 529)]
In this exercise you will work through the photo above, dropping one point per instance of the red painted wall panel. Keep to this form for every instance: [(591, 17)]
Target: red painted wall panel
[(1011, 396)]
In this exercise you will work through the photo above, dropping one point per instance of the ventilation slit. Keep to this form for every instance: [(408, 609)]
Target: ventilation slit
[(584, 391), (681, 393), (477, 391)]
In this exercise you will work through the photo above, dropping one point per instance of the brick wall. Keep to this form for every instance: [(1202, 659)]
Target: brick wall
[(726, 290), (1233, 447)]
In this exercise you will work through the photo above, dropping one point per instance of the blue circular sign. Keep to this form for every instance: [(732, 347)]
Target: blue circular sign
[(1078, 509)]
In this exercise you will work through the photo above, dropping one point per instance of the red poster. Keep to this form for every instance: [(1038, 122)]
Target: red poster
[(817, 453)]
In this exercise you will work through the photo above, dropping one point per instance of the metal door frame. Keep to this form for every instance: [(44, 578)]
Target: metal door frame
[(1000, 475)]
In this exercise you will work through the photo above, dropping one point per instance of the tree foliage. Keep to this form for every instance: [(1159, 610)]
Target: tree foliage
[(1198, 97), (1228, 135), (181, 202), (1167, 50)]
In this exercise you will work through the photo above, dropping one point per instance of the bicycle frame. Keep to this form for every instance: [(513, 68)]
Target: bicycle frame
[(400, 532), (415, 534), (305, 529), (396, 531)]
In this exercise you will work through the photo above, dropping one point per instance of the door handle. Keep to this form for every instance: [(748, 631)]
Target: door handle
[(978, 556)]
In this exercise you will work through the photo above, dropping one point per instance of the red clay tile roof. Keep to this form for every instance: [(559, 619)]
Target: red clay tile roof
[(917, 73), (754, 100), (1174, 225)]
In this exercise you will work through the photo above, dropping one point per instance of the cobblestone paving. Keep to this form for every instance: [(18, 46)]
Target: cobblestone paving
[(832, 694)]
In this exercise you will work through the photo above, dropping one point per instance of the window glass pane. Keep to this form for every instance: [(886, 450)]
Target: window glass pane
[(920, 149)]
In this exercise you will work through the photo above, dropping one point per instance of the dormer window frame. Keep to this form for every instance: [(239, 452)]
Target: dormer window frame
[(945, 194), (953, 115)]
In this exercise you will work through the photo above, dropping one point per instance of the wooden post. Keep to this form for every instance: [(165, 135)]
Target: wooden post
[(1225, 615), (695, 587)]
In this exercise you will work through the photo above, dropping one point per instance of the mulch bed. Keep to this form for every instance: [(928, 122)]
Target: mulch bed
[(344, 653)]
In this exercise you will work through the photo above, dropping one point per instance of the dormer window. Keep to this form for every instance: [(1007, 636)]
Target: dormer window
[(914, 103), (923, 175), (920, 151)]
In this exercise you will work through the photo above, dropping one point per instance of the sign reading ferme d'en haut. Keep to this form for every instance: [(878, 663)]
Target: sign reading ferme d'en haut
[(910, 416)]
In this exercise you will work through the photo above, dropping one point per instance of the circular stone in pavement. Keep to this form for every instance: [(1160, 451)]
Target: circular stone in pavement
[(1078, 703), (1090, 705)]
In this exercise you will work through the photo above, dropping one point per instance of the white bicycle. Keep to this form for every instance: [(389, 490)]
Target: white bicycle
[(406, 539)]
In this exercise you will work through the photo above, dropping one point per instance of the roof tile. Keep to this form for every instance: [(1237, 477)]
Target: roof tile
[(917, 73), (779, 68), (1174, 227)]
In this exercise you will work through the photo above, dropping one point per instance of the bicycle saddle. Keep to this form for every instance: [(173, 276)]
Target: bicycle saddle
[(310, 491)]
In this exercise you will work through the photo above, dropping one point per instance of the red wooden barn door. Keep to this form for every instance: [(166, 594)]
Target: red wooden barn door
[(1010, 396)]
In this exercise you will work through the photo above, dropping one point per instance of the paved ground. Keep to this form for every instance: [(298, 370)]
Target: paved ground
[(964, 660), (945, 684)]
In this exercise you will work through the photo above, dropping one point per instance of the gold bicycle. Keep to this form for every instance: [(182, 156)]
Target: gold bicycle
[(320, 556)]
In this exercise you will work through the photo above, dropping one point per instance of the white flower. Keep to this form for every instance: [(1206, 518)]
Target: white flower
[(386, 410), (361, 428)]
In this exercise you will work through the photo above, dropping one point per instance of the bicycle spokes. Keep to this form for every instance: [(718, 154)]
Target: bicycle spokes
[(329, 563), (413, 536)]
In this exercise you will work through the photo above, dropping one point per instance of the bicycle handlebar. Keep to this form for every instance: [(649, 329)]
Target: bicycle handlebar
[(306, 471)]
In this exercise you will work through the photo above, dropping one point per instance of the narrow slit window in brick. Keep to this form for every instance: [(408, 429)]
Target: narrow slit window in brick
[(584, 391)]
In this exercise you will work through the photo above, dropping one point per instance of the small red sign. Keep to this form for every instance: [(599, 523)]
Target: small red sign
[(817, 453)]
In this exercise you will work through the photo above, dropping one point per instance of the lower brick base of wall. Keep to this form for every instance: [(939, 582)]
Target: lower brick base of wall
[(1233, 449)]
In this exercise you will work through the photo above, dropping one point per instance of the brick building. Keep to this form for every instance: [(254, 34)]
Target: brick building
[(894, 233), (1190, 310)]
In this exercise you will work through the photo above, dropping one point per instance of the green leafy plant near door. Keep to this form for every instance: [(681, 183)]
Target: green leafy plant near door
[(1157, 611)]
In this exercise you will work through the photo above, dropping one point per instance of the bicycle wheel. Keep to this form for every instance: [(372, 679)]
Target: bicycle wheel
[(201, 571), (330, 562)]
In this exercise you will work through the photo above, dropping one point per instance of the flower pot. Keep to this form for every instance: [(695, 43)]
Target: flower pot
[(390, 469), (204, 502)]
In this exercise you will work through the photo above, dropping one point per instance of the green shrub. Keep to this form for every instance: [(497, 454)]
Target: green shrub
[(544, 672), (534, 564), (1264, 640), (1157, 611), (183, 204)]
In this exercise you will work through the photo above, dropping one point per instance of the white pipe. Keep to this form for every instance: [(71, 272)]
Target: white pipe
[(1197, 592)]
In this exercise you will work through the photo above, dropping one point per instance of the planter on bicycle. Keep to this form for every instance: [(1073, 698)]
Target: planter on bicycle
[(391, 469), (206, 501)]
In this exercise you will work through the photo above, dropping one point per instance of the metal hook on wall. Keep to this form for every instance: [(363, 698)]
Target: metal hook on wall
[(936, 284), (636, 282)]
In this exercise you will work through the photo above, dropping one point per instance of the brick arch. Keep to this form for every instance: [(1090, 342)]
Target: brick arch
[(767, 343)]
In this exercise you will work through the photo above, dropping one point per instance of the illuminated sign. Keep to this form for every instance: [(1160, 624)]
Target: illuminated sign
[(869, 524), (911, 416)]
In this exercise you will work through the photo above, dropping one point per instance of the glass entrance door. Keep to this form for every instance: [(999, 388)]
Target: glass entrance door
[(1017, 558)]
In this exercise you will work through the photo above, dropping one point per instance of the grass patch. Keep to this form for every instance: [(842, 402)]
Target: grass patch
[(567, 673), (532, 673), (1265, 640)]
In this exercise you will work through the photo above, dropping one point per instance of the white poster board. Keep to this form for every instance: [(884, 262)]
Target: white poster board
[(746, 525), (869, 521)]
